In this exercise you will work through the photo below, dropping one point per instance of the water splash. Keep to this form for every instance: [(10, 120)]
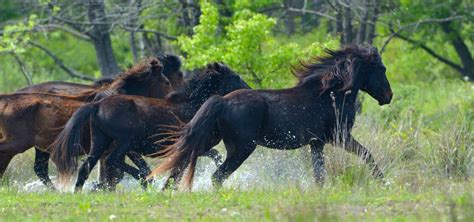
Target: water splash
[(265, 168)]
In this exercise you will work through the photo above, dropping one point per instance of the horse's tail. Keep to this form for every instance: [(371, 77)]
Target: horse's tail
[(193, 140), (67, 145)]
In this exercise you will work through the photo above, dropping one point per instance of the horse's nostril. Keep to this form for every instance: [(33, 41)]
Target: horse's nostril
[(390, 95)]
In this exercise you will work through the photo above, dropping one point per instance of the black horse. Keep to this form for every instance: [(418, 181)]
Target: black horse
[(318, 110), (133, 123)]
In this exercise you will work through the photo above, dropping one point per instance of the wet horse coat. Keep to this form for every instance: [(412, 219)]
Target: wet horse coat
[(141, 121), (320, 109)]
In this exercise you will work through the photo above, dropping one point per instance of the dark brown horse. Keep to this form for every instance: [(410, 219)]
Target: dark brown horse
[(64, 88), (318, 110), (34, 119), (133, 123), (171, 69)]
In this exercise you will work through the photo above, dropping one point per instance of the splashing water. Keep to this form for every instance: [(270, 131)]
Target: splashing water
[(265, 168)]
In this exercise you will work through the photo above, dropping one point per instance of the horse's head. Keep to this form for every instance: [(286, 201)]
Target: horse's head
[(373, 79), (224, 79), (172, 69), (144, 79)]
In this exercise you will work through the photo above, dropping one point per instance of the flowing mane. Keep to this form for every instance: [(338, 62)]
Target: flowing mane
[(135, 73), (336, 69), (199, 84)]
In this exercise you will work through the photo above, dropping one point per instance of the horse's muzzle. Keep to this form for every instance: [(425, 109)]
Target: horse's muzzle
[(387, 98)]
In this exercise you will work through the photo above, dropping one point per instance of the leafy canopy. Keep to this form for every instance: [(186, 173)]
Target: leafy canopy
[(247, 45)]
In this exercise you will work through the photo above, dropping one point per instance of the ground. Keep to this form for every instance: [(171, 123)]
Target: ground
[(374, 201)]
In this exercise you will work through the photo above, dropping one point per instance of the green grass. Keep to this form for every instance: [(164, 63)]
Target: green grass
[(335, 202)]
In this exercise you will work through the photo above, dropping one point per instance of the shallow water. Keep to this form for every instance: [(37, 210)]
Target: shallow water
[(265, 168)]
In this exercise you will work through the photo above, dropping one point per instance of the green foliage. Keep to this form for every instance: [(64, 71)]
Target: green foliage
[(421, 20), (15, 37), (254, 5), (247, 46)]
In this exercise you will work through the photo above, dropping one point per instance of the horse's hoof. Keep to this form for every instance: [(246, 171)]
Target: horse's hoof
[(96, 187)]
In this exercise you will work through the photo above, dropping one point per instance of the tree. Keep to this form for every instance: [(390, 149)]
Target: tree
[(428, 25), (246, 45)]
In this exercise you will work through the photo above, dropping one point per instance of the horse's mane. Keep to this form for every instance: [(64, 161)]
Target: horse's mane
[(134, 73), (337, 68), (171, 63), (194, 86)]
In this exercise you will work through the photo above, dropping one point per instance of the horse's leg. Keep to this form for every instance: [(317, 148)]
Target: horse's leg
[(41, 167), (5, 159), (98, 145), (355, 147), (17, 143), (101, 184), (135, 173), (142, 165), (115, 162), (214, 155), (103, 178), (317, 157), (236, 154)]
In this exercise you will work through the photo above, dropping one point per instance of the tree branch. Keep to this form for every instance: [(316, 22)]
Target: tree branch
[(164, 35), (431, 52), (302, 11), (60, 63), (48, 27), (23, 68), (414, 25)]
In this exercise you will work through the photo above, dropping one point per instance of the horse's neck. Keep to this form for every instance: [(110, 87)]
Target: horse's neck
[(189, 107)]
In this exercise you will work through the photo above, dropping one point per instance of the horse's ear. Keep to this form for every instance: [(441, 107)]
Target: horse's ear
[(210, 66), (221, 67), (216, 66), (156, 66)]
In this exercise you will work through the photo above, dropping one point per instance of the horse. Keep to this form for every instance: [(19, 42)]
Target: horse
[(133, 123), (34, 119), (171, 69), (318, 110)]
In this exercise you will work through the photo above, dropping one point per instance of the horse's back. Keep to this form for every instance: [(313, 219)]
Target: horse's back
[(125, 112), (56, 87)]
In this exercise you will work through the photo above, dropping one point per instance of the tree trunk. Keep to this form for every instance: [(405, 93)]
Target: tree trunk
[(461, 49), (101, 38), (186, 16), (339, 24), (374, 7), (133, 13), (361, 34), (347, 25)]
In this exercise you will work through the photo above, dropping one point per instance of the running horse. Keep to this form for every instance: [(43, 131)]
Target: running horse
[(133, 123), (171, 69), (320, 109), (34, 119)]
